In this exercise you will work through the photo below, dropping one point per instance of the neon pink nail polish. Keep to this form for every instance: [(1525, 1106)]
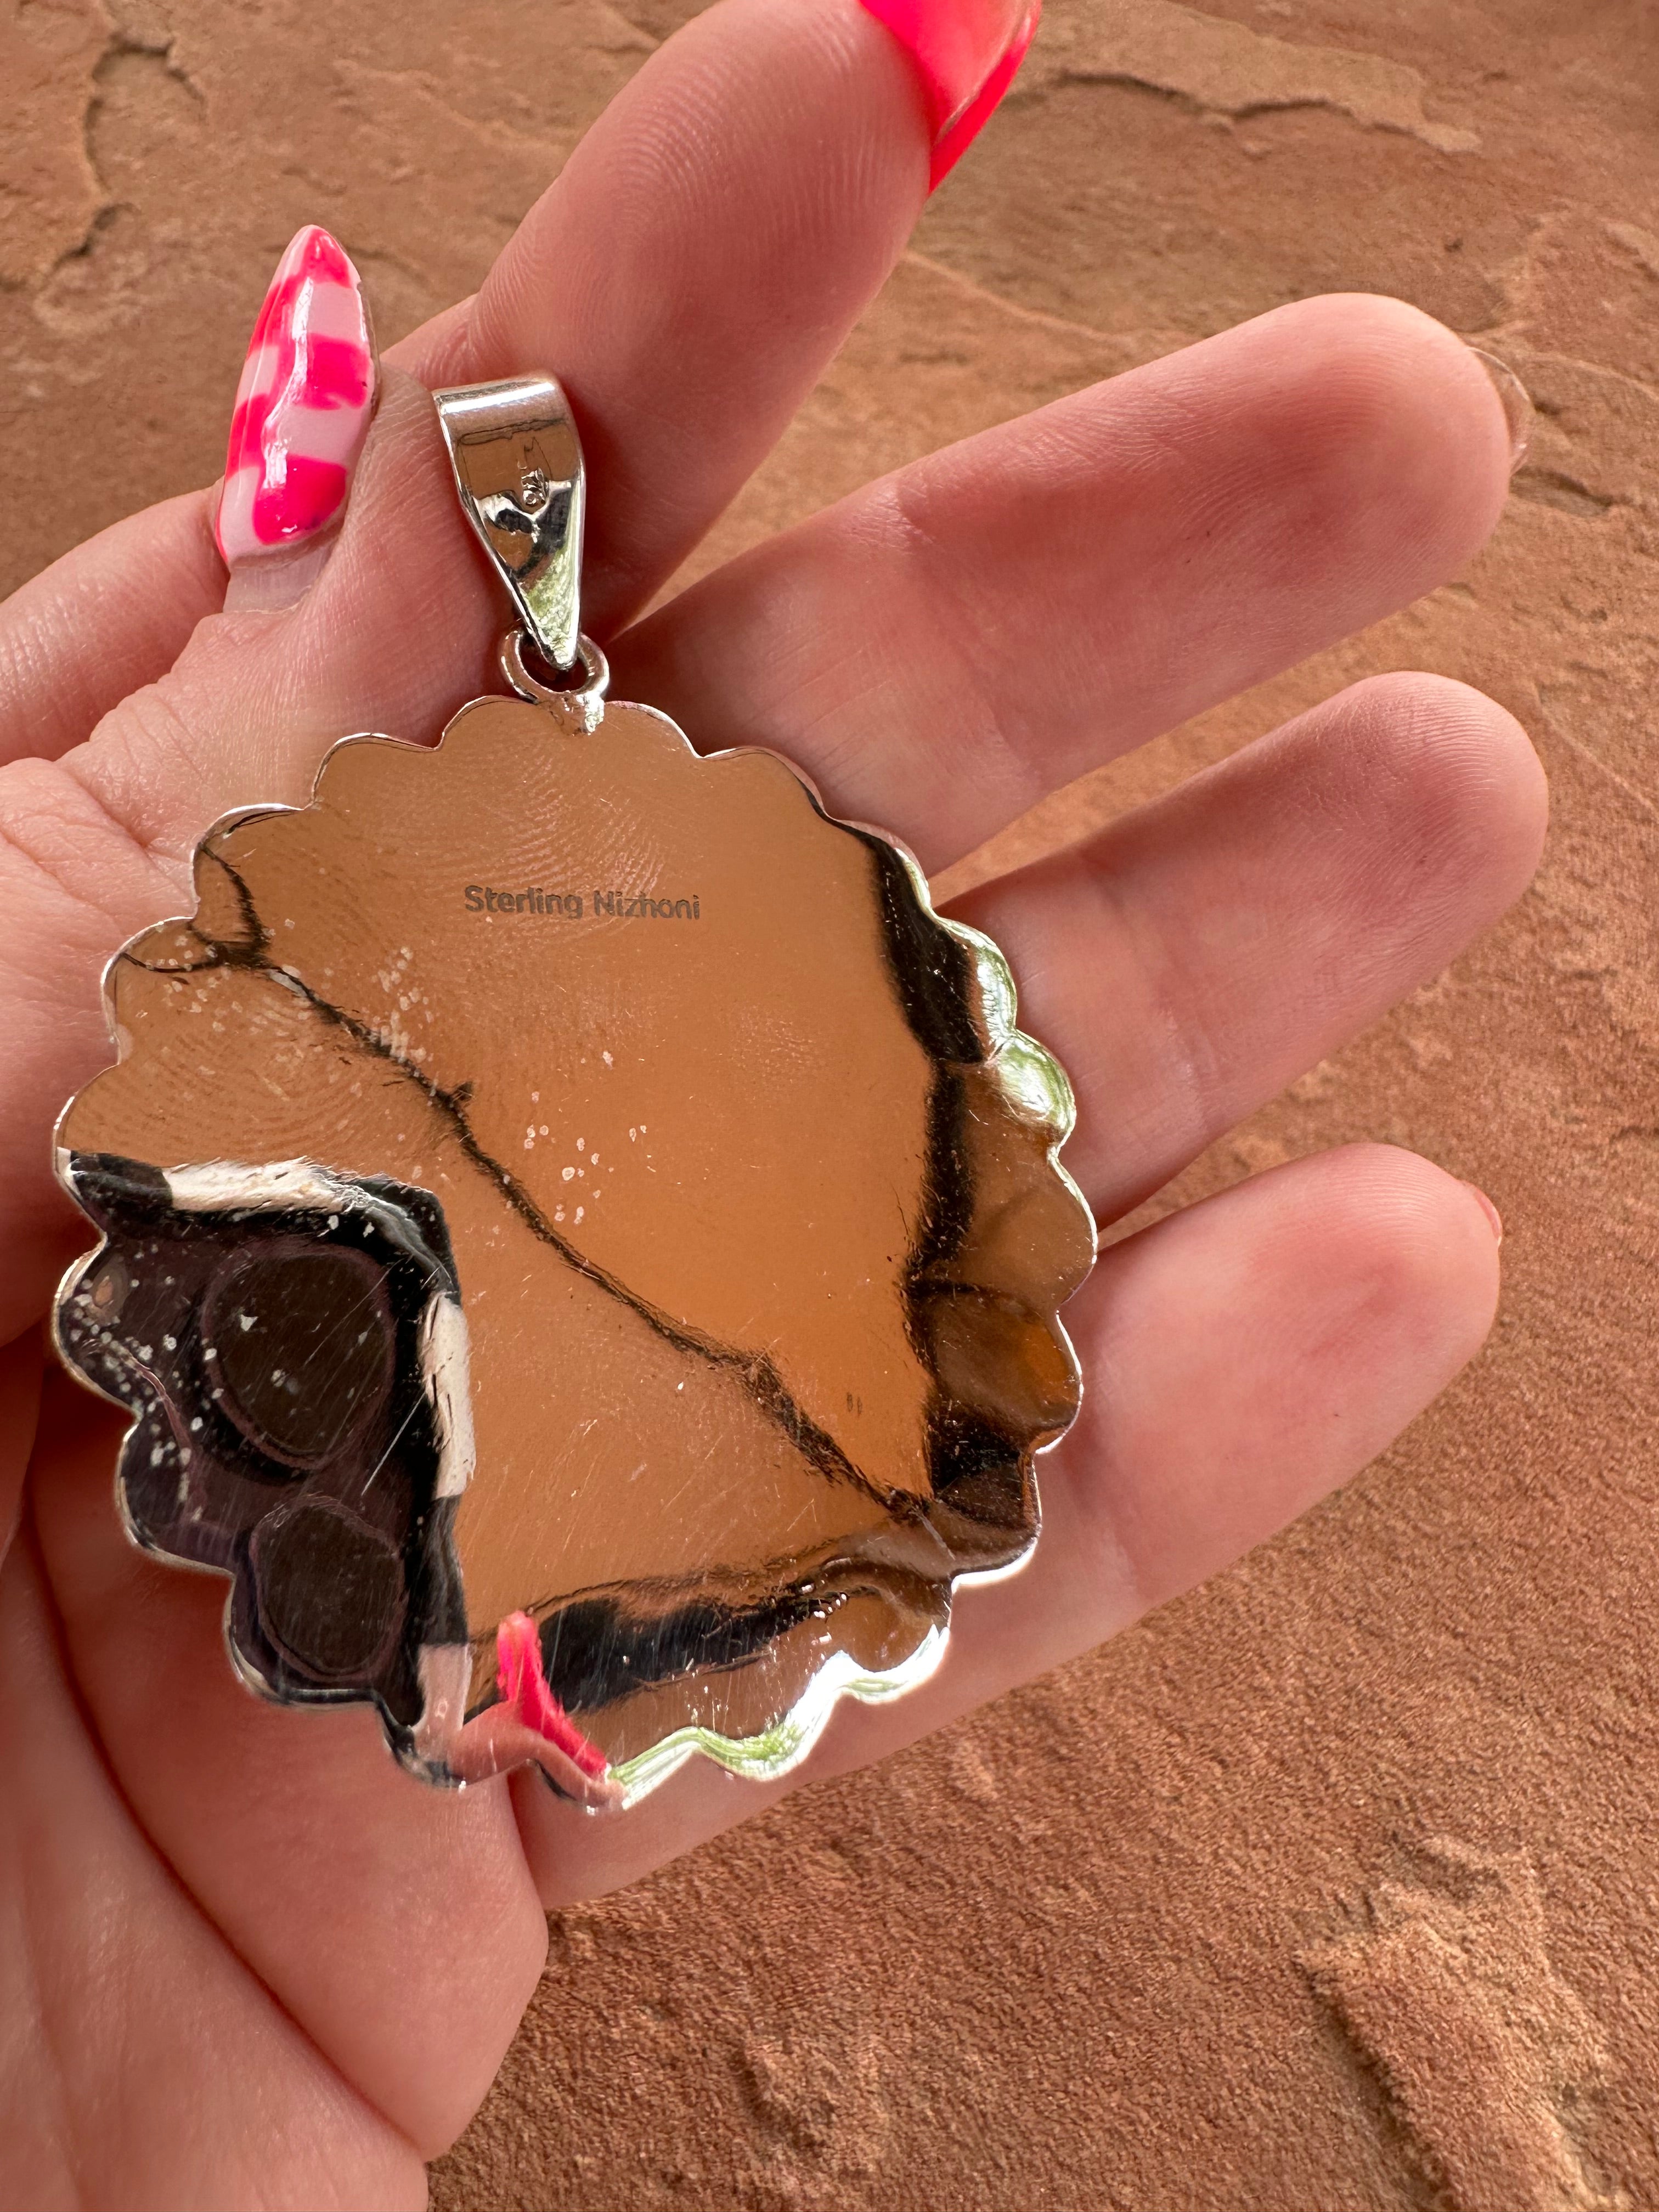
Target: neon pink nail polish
[(523, 1686), (303, 407), (966, 52)]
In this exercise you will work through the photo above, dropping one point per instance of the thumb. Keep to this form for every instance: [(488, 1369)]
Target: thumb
[(375, 612)]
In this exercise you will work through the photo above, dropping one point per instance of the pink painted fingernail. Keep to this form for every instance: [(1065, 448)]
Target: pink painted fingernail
[(1518, 410), (523, 1686), (1492, 1215), (303, 407), (966, 52)]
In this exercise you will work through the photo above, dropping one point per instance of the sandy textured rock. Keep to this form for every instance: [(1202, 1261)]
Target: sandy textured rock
[(1192, 1923)]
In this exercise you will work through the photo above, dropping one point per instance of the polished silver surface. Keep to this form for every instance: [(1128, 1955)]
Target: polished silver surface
[(518, 465), (583, 1243)]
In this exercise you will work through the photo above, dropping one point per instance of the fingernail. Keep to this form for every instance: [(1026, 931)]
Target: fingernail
[(302, 412), (1518, 410), (522, 1685), (1490, 1211), (966, 52)]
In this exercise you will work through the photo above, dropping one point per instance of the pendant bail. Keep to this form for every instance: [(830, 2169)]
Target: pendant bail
[(517, 465)]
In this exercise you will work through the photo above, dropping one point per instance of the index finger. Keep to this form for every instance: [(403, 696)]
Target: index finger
[(698, 259)]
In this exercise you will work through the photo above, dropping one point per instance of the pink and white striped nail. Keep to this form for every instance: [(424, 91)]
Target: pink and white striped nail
[(303, 407)]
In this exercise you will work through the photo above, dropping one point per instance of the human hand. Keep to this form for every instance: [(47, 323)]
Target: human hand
[(248, 1959)]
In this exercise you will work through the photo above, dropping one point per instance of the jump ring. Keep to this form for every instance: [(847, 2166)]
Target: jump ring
[(595, 673)]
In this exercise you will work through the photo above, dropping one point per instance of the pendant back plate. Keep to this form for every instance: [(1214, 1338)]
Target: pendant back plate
[(583, 1247)]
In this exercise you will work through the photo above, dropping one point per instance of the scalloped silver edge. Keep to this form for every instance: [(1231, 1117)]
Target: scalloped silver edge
[(1035, 1085)]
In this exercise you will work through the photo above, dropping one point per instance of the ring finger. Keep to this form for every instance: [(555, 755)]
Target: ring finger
[(1202, 953)]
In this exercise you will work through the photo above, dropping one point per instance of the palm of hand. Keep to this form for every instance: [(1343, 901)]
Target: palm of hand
[(248, 1959)]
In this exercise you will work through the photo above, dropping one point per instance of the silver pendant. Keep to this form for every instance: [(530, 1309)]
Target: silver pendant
[(582, 1241)]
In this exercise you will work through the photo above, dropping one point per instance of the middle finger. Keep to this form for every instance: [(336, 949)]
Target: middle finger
[(945, 647)]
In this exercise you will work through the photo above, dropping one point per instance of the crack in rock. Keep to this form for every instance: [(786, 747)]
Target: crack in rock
[(1554, 488), (1224, 68), (50, 194)]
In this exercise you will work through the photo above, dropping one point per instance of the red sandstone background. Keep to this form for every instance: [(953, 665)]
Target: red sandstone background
[(1335, 1886)]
